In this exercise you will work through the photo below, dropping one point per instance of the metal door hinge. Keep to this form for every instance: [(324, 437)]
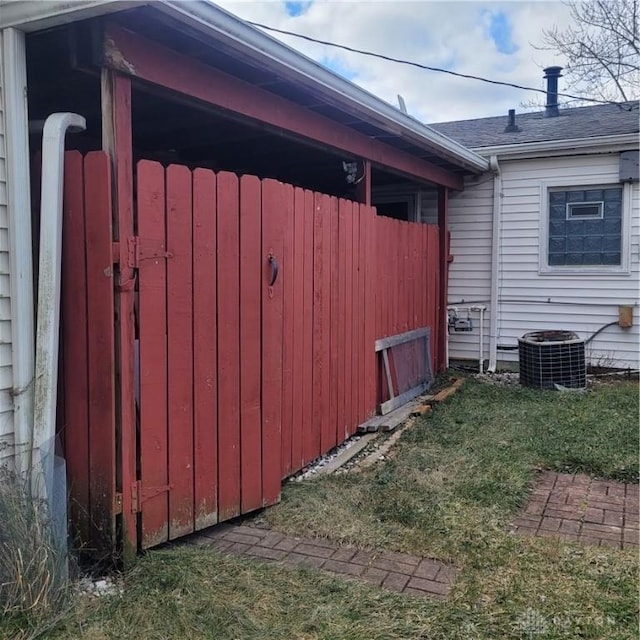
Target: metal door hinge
[(139, 249), (140, 494)]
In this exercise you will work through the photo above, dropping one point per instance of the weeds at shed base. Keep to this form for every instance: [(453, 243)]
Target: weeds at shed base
[(34, 576)]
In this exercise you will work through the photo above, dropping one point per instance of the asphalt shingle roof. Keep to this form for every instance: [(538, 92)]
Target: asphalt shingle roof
[(577, 122)]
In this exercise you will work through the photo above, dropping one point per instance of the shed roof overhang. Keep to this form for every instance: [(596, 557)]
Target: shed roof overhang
[(251, 56)]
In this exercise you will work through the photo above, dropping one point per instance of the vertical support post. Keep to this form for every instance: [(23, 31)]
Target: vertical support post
[(117, 142), (443, 275), (363, 188)]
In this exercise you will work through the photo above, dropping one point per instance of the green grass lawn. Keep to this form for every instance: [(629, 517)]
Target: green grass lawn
[(454, 483)]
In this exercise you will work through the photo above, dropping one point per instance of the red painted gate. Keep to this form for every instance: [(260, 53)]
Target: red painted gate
[(256, 309)]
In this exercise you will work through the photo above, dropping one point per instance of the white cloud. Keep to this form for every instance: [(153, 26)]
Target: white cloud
[(454, 35)]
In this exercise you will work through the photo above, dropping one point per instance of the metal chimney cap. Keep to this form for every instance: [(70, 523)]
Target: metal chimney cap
[(553, 72)]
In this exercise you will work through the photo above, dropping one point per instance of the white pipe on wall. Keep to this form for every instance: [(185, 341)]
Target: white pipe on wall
[(48, 312), (495, 263), (481, 310), (14, 70)]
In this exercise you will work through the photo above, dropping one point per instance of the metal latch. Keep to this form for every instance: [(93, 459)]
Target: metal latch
[(140, 494), (139, 249)]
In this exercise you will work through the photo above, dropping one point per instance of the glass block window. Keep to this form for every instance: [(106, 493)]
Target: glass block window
[(585, 227)]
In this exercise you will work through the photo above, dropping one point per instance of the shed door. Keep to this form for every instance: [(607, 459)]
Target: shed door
[(209, 347)]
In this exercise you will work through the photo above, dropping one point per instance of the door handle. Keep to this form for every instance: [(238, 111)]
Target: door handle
[(274, 269)]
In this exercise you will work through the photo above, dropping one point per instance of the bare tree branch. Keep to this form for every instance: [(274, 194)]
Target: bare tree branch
[(601, 48)]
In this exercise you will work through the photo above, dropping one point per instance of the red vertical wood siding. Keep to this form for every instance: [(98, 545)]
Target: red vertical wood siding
[(250, 343), (100, 344), (152, 323), (88, 350), (244, 377), (228, 347), (205, 352), (274, 217), (288, 352), (298, 337), (180, 349)]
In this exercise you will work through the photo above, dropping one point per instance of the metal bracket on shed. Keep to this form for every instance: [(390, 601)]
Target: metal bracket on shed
[(139, 249), (140, 494)]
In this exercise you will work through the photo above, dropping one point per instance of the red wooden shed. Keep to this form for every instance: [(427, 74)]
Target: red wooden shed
[(226, 271)]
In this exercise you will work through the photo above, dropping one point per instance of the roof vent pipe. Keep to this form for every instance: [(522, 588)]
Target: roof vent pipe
[(512, 127), (551, 76)]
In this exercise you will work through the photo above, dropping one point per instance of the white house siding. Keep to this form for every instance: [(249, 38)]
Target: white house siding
[(579, 302), (6, 378), (470, 223)]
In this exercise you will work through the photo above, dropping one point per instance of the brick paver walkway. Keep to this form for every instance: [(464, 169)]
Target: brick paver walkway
[(576, 507), (390, 570)]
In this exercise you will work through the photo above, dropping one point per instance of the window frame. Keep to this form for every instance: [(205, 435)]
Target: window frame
[(562, 184), (570, 205), (410, 199)]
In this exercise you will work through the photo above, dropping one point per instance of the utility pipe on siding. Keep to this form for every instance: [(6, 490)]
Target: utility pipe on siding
[(495, 262), (481, 311), (48, 312)]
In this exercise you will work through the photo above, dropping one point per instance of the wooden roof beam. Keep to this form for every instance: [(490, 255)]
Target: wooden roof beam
[(134, 55)]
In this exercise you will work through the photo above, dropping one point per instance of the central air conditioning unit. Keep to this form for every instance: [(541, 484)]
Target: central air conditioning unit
[(549, 359)]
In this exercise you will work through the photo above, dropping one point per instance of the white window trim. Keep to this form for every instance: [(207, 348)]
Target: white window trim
[(569, 210), (625, 248)]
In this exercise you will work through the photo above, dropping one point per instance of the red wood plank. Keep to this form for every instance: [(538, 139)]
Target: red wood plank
[(298, 332), (156, 64), (100, 343), (413, 267), (362, 336), (287, 334), (117, 141), (205, 354), (443, 268), (356, 320), (325, 324), (152, 310), (434, 307), (334, 321), (392, 258), (250, 343), (228, 233), (273, 221), (74, 344), (318, 318), (350, 369), (371, 306), (310, 447), (341, 320), (180, 349)]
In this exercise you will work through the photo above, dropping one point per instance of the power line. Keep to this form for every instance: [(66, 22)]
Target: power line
[(426, 67)]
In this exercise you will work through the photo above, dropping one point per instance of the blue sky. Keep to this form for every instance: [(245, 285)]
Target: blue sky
[(479, 37), (295, 9), (501, 32)]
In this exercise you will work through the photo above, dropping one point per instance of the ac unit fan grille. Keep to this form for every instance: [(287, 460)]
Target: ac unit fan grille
[(545, 362)]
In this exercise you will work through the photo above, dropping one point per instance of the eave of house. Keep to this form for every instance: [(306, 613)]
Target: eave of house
[(223, 27), (554, 148)]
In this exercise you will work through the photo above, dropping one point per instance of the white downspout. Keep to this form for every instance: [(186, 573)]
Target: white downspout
[(14, 71), (480, 309), (495, 263), (48, 313)]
